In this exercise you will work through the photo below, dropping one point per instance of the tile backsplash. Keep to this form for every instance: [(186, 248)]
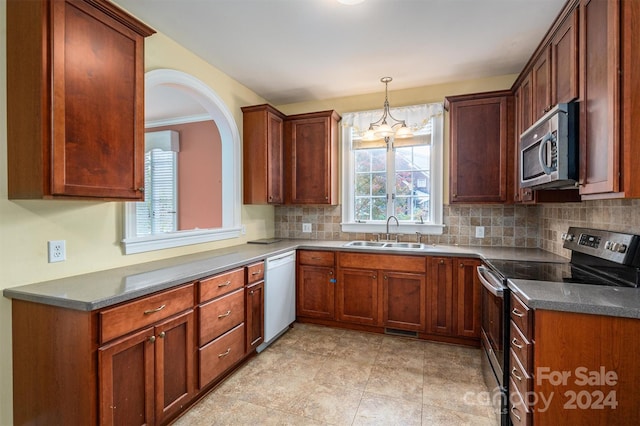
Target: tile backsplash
[(611, 215), (512, 226), (508, 226)]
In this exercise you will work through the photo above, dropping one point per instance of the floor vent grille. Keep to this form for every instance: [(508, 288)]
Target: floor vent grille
[(404, 333)]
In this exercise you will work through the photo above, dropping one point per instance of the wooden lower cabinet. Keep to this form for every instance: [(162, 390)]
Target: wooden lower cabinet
[(453, 294), (392, 294), (315, 284), (149, 375), (572, 366), (255, 316), (357, 294), (403, 298)]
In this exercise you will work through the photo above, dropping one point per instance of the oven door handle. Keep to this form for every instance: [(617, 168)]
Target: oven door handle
[(494, 289)]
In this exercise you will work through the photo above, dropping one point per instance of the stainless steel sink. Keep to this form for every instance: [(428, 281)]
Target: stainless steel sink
[(379, 244), (364, 244), (404, 245)]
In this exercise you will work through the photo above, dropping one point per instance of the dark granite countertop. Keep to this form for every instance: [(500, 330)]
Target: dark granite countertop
[(96, 290)]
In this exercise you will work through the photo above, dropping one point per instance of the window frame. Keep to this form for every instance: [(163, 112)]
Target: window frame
[(431, 226)]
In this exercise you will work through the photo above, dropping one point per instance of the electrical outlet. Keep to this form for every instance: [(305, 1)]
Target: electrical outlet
[(479, 231), (57, 251), (306, 227)]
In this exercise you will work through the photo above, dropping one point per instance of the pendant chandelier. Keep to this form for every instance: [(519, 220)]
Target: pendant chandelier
[(387, 125)]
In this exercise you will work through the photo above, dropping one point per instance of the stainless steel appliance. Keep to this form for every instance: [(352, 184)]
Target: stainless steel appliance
[(597, 258), (493, 335), (549, 150)]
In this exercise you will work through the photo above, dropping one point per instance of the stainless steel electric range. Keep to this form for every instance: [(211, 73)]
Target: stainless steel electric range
[(598, 257)]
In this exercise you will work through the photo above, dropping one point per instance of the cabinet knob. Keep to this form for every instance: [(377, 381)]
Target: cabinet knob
[(251, 292), (373, 277), (141, 189), (442, 261), (152, 339), (330, 272), (462, 265), (386, 278), (162, 335)]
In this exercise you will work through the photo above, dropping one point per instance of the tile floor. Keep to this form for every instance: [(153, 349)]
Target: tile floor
[(317, 375)]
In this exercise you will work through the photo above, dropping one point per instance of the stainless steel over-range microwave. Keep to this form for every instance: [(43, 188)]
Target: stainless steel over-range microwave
[(549, 150)]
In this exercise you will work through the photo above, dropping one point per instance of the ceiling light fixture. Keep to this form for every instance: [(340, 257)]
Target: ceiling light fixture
[(382, 129), (350, 2)]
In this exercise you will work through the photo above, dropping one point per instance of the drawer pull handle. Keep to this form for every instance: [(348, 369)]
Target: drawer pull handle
[(258, 272), (515, 342), (513, 373), (224, 315), (513, 411), (153, 311), (517, 313), (315, 258), (222, 355), (225, 284), (162, 335)]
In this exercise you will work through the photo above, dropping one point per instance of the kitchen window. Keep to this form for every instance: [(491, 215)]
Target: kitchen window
[(399, 177), (158, 213)]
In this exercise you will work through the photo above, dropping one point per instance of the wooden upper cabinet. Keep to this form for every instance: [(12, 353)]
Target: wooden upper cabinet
[(311, 158), (481, 138), (263, 155), (564, 61), (541, 81), (75, 100), (600, 91)]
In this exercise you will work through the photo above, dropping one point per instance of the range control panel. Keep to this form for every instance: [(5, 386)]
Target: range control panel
[(614, 246)]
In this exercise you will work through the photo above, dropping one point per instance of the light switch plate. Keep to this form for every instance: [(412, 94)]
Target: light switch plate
[(306, 227)]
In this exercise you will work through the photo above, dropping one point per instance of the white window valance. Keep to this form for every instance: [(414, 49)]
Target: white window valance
[(417, 117)]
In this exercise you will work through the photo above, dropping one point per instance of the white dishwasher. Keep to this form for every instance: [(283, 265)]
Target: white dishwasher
[(279, 296)]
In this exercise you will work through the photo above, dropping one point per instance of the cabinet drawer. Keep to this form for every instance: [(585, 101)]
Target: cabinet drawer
[(118, 321), (521, 315), (255, 272), (519, 376), (220, 284), (519, 412), (219, 355), (522, 347), (316, 258), (221, 315)]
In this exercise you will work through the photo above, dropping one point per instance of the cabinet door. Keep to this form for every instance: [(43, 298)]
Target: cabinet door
[(440, 295), (312, 158), (126, 377), (404, 301), (255, 315), (523, 105), (599, 109), (564, 60), (481, 148), (357, 298), (175, 368), (263, 132), (316, 292), (98, 140), (541, 75), (467, 288)]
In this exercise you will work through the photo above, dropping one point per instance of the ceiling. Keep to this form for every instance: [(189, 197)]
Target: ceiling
[(290, 51)]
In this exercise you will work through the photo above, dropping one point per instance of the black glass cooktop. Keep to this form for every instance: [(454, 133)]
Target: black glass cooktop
[(567, 273)]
